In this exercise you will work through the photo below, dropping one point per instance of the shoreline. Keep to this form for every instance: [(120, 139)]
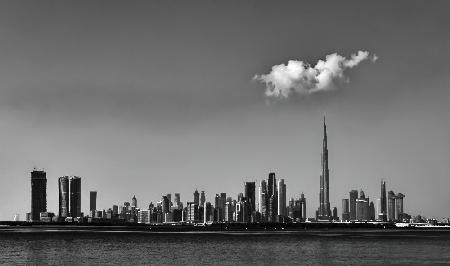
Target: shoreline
[(325, 229)]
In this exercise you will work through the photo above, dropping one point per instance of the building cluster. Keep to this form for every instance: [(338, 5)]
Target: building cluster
[(268, 205), (387, 209)]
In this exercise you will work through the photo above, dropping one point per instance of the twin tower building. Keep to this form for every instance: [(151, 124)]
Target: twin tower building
[(69, 196)]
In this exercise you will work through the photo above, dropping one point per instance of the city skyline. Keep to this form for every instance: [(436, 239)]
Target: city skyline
[(272, 204), (386, 209), (150, 98)]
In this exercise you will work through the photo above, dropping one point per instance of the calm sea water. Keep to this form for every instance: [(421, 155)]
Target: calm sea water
[(138, 248)]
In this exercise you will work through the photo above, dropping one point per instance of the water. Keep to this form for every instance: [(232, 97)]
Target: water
[(138, 248)]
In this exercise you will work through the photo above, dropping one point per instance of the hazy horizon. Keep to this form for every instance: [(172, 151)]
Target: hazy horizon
[(161, 97)]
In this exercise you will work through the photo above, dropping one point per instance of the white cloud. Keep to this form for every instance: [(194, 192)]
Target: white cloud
[(299, 77)]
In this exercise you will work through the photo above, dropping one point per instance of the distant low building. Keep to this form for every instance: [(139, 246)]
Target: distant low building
[(144, 216), (46, 217)]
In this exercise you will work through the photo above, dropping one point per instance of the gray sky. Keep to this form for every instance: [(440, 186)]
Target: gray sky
[(145, 99)]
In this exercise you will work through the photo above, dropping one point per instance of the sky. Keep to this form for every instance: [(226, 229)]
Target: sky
[(152, 97)]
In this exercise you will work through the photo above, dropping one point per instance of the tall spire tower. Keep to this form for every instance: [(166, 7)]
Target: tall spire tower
[(324, 212)]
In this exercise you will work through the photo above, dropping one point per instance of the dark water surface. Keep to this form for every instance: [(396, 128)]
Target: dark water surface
[(138, 248)]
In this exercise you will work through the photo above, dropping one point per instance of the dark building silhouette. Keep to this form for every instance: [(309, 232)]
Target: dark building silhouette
[(399, 206), (272, 197), (391, 206), (196, 198), (207, 212), (362, 207), (352, 199), (223, 201), (303, 206), (335, 214), (383, 208), (345, 210), (134, 202), (281, 198), (202, 198), (38, 194), (75, 196), (250, 188), (165, 204), (92, 200), (64, 197), (372, 211), (324, 212), (192, 212)]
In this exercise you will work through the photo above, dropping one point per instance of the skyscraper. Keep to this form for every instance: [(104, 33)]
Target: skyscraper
[(134, 202), (371, 211), (399, 206), (345, 210), (303, 206), (250, 188), (202, 198), (335, 214), (281, 198), (38, 194), (196, 198), (63, 186), (207, 212), (391, 206), (272, 198), (92, 200), (353, 197), (165, 204), (75, 196), (383, 204), (263, 200), (177, 200), (223, 201), (324, 211), (362, 207)]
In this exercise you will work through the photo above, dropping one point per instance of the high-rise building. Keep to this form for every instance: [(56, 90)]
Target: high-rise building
[(217, 206), (379, 216), (303, 206), (399, 206), (38, 194), (75, 196), (250, 188), (93, 200), (223, 201), (272, 198), (372, 211), (207, 212), (352, 199), (229, 211), (196, 198), (202, 198), (177, 200), (324, 212), (144, 216), (382, 215), (165, 204), (169, 197), (391, 206), (281, 198), (345, 210), (192, 212), (362, 207), (335, 214), (64, 199), (263, 200), (134, 202)]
